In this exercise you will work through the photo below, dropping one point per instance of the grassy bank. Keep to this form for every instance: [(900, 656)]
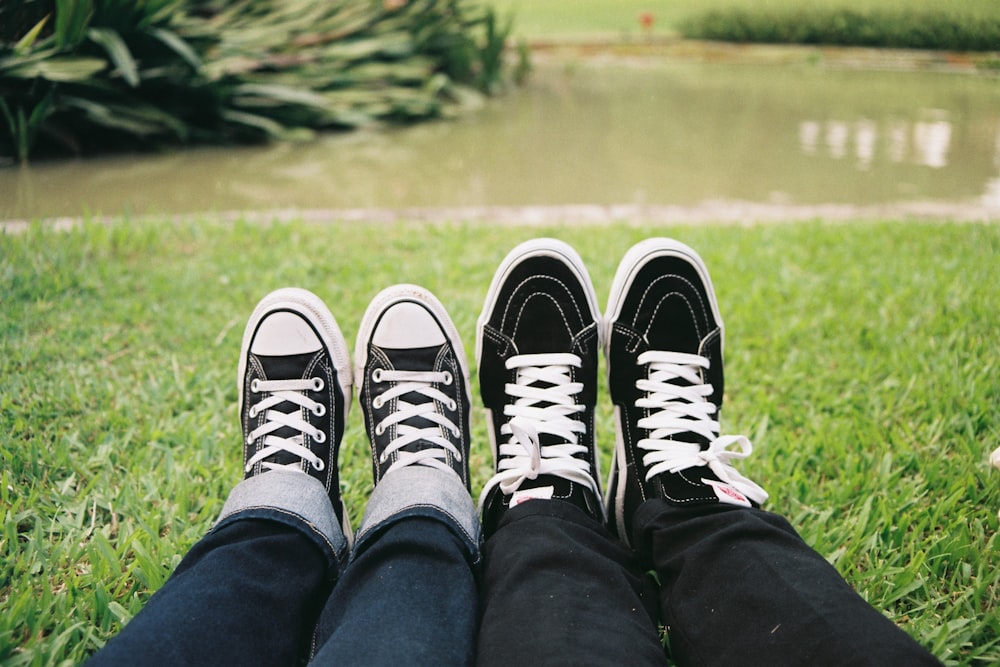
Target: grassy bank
[(971, 24), (861, 361), (839, 26)]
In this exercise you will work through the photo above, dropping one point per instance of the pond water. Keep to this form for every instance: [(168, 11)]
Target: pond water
[(621, 133)]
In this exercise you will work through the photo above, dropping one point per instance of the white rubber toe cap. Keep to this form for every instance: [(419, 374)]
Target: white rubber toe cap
[(407, 325), (282, 333)]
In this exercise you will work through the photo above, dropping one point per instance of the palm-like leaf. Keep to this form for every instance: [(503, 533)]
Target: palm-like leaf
[(143, 73)]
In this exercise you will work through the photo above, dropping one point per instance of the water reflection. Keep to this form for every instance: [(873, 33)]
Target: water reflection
[(924, 142), (593, 133)]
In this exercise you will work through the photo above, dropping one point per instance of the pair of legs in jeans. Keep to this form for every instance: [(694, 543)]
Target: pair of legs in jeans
[(553, 574)]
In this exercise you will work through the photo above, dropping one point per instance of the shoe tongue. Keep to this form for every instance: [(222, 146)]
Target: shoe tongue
[(689, 436), (414, 359), (285, 367)]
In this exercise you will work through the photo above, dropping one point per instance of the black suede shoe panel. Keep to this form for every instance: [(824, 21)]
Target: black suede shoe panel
[(540, 303)]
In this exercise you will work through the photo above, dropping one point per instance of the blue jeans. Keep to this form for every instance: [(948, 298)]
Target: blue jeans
[(251, 591)]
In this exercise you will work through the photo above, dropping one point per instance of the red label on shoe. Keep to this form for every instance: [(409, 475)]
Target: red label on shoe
[(541, 493), (727, 494)]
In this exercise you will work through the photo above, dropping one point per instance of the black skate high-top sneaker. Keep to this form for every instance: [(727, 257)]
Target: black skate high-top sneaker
[(664, 340), (537, 347)]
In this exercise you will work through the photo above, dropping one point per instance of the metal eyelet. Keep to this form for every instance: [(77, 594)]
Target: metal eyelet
[(377, 375), (255, 385), (322, 437), (452, 405), (448, 378), (319, 410), (318, 384), (319, 465), (379, 428), (253, 411), (377, 402)]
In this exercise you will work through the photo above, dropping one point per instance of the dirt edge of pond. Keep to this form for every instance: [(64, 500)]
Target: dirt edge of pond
[(701, 51), (707, 213)]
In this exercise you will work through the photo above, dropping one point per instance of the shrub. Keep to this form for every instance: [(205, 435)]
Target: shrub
[(98, 75), (849, 27)]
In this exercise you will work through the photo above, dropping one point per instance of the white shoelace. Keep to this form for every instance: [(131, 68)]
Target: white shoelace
[(537, 410), (290, 391), (685, 408), (418, 382)]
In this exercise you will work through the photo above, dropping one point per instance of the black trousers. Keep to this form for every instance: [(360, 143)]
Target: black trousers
[(735, 586)]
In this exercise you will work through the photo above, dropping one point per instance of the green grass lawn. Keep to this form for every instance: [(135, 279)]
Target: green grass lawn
[(616, 18), (862, 361)]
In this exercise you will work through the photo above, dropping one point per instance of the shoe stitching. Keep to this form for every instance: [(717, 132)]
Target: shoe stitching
[(634, 339), (566, 289), (633, 447), (709, 337), (562, 315), (447, 360), (331, 411), (706, 351), (690, 483), (684, 297), (383, 361), (582, 338), (254, 369), (630, 448), (669, 277), (500, 338), (575, 376)]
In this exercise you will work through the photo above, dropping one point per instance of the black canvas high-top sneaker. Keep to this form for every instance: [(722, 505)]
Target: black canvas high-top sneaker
[(537, 347), (295, 390), (413, 384), (664, 340)]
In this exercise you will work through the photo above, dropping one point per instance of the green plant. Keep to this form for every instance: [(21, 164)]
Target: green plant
[(102, 75), (897, 28)]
